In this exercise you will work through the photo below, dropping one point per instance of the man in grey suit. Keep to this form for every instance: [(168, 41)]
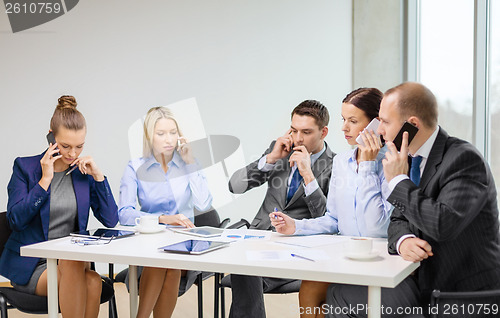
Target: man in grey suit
[(297, 168), (446, 213)]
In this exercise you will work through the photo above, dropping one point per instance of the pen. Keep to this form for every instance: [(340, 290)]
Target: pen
[(275, 210), (298, 256), (72, 169)]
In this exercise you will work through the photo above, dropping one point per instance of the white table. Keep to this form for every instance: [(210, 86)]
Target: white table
[(142, 250)]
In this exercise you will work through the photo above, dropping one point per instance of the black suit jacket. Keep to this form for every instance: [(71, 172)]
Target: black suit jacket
[(455, 210), (300, 206)]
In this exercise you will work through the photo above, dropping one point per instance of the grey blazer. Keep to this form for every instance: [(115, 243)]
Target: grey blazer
[(454, 209), (299, 206)]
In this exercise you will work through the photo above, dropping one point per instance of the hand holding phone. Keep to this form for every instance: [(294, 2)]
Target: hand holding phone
[(412, 131), (373, 125), (52, 140), (282, 147)]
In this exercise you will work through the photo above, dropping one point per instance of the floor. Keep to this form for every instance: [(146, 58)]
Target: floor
[(282, 306)]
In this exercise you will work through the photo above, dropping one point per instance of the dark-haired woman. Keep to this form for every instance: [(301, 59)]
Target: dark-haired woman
[(46, 202), (356, 203)]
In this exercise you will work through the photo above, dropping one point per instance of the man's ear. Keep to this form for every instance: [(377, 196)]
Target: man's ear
[(415, 121), (324, 132)]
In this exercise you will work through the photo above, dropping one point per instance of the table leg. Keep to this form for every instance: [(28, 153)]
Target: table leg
[(134, 291), (374, 301), (52, 295)]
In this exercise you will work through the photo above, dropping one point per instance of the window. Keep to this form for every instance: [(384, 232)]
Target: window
[(494, 90), (446, 60)]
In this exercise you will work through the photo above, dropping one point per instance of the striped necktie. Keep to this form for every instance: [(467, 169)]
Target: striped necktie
[(415, 169), (294, 185)]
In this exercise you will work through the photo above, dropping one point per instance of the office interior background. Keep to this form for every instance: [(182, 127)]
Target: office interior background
[(247, 63)]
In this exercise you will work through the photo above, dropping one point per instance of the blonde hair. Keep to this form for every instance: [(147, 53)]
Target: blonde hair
[(67, 115), (152, 117)]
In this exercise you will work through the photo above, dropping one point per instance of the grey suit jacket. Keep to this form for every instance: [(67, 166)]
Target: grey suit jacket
[(455, 210), (299, 206)]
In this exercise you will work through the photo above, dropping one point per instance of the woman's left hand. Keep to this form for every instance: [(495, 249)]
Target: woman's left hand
[(184, 149), (372, 146), (88, 166)]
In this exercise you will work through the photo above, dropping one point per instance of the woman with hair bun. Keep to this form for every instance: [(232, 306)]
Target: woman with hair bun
[(48, 200)]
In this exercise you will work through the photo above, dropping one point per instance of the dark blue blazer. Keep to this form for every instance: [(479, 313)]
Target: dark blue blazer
[(28, 212)]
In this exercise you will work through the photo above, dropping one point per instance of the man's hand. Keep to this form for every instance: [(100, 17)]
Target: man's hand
[(302, 158), (282, 148), (282, 223), (396, 163), (414, 249)]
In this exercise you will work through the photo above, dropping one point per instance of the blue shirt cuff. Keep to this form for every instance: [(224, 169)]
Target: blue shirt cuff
[(264, 166), (367, 167), (311, 187)]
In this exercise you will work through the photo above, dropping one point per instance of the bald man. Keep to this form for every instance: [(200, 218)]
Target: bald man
[(446, 213)]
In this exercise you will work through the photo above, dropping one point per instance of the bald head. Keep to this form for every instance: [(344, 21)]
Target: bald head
[(414, 99)]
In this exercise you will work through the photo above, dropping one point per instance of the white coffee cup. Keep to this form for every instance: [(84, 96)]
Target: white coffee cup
[(147, 222), (360, 245)]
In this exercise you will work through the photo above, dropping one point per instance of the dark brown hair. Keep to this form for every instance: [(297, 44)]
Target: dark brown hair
[(67, 115), (414, 99), (314, 109), (366, 99)]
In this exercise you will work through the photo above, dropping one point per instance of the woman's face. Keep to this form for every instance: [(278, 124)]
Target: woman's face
[(70, 143), (354, 121), (165, 137)]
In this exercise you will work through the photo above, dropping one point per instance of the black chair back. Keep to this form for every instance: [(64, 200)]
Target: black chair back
[(4, 230), (208, 218)]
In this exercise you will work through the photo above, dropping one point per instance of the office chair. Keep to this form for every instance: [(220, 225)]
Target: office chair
[(33, 304), (209, 218), (465, 304)]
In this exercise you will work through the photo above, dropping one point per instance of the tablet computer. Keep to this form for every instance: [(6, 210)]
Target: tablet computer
[(202, 231), (193, 247), (103, 233)]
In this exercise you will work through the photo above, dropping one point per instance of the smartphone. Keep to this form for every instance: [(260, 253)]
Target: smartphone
[(52, 140), (412, 131), (372, 126)]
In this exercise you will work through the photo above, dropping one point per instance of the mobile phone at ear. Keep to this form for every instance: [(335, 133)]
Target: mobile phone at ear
[(52, 140), (372, 126), (412, 131)]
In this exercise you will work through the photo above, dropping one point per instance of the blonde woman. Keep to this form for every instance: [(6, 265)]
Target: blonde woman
[(168, 183)]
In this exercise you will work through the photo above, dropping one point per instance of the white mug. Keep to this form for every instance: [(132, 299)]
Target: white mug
[(360, 245), (147, 222)]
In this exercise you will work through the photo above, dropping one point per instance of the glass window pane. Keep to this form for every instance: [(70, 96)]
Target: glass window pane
[(446, 57), (494, 90)]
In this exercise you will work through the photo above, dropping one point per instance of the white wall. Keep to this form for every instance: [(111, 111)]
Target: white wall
[(248, 63), (377, 50)]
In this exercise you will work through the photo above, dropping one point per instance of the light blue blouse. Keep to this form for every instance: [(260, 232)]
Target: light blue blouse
[(177, 191), (357, 200)]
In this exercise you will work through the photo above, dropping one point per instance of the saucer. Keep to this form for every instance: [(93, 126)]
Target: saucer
[(155, 229), (363, 256)]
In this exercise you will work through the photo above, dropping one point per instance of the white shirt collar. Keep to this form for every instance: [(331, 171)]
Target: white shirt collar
[(425, 149)]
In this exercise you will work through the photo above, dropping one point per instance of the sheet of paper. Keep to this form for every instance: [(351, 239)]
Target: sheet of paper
[(311, 255), (245, 234), (311, 240)]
